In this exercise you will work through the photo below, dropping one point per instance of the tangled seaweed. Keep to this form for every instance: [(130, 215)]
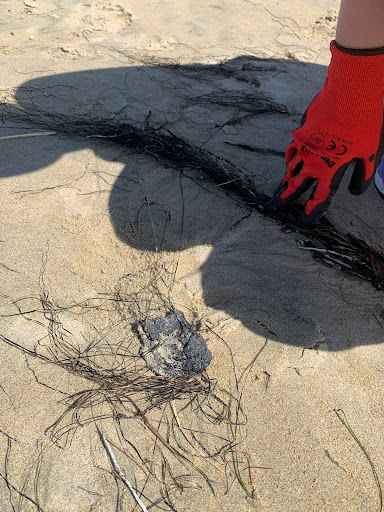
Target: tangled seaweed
[(119, 385), (327, 244), (121, 388)]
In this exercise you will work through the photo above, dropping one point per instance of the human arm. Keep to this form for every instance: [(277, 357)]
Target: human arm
[(361, 24)]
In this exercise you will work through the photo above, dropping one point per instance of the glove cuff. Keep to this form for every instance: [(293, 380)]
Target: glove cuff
[(369, 52), (354, 88)]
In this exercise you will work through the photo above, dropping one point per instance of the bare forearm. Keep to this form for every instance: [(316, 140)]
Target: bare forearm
[(361, 24)]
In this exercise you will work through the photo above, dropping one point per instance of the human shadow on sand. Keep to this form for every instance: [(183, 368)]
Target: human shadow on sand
[(254, 273)]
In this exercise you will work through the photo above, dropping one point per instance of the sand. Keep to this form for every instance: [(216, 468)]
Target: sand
[(82, 218)]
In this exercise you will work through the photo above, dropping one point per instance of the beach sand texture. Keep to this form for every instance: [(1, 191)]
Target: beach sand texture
[(95, 237)]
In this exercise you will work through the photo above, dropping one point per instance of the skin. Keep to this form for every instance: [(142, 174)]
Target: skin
[(361, 24)]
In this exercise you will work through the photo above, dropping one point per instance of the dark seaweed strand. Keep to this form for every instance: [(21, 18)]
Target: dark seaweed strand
[(327, 244)]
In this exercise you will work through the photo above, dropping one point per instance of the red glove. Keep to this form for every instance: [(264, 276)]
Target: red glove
[(343, 123)]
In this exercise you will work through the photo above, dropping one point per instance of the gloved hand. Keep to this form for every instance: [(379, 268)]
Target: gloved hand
[(343, 123)]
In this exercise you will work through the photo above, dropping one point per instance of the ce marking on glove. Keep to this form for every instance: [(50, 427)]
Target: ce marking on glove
[(317, 141), (333, 146)]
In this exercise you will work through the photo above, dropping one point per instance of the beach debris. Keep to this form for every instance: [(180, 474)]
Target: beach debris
[(172, 348), (27, 135), (118, 470)]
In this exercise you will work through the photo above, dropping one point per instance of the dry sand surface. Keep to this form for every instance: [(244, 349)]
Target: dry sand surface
[(95, 237)]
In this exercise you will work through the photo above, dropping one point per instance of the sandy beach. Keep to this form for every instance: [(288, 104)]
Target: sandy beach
[(97, 237)]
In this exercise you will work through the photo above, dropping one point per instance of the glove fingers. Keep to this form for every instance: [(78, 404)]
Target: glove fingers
[(293, 168), (362, 176), (289, 192), (295, 185), (321, 197), (276, 201), (316, 212)]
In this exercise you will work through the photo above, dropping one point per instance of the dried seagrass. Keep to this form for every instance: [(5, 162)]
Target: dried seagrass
[(327, 244)]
